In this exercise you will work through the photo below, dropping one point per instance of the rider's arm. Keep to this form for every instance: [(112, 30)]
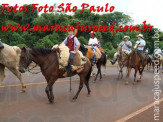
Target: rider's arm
[(76, 41), (65, 41), (142, 44), (129, 45)]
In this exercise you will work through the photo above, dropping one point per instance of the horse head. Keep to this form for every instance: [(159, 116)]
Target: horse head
[(119, 49), (25, 59), (83, 49)]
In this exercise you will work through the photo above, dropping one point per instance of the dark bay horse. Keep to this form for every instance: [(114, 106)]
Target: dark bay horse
[(149, 62), (135, 62), (101, 62), (47, 59)]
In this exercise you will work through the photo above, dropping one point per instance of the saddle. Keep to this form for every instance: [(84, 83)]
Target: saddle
[(90, 53), (63, 56)]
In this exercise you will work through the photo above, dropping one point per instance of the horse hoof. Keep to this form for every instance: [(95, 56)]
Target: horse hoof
[(138, 80), (88, 95), (22, 91), (134, 83), (51, 101), (126, 83), (74, 99)]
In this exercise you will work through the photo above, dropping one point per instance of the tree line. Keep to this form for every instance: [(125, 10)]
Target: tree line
[(49, 38)]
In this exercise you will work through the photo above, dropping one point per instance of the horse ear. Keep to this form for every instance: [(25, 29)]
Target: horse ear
[(24, 49)]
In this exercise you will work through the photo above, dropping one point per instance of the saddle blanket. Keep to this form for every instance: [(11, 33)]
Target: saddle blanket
[(63, 56), (125, 51), (90, 53)]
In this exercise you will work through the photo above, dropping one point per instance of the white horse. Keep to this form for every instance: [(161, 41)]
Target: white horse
[(9, 57)]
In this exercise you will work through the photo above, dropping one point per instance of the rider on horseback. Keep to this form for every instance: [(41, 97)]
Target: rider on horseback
[(141, 44), (94, 43), (73, 44), (126, 45), (158, 52)]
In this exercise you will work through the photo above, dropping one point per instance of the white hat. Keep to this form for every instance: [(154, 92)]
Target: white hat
[(92, 33), (126, 37), (140, 35)]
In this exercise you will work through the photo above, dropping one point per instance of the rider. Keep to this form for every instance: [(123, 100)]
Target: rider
[(126, 45), (94, 43), (73, 44), (141, 44), (147, 51), (99, 44), (157, 50)]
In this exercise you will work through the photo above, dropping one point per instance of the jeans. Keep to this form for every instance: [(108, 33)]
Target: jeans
[(139, 51), (70, 61), (114, 61), (94, 57)]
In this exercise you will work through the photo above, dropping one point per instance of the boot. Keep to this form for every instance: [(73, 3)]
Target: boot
[(78, 71)]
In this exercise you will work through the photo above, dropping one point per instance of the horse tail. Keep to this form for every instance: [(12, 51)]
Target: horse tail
[(105, 59), (89, 75)]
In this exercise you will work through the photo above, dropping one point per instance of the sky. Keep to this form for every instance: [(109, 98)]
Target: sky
[(139, 10)]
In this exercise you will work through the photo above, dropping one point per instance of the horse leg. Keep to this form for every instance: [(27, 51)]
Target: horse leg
[(140, 74), (18, 75), (49, 90), (2, 73), (87, 85), (128, 74), (100, 73), (80, 87), (135, 77), (121, 72)]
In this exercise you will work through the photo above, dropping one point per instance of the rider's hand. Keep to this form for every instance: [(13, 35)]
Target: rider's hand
[(73, 52)]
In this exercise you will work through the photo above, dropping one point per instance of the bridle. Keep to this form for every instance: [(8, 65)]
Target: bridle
[(28, 60)]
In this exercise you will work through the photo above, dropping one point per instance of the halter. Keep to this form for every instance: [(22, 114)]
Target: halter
[(28, 57)]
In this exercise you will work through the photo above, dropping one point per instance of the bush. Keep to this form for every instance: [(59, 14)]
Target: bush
[(45, 42)]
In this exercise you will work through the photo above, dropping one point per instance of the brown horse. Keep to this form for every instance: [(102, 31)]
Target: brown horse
[(47, 59), (135, 62), (122, 60), (149, 62)]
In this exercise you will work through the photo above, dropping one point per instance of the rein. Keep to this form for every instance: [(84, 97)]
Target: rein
[(28, 59)]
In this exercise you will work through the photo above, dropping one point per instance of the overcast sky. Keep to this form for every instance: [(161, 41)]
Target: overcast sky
[(139, 10)]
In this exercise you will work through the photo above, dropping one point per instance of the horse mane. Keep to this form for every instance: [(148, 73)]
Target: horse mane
[(43, 51)]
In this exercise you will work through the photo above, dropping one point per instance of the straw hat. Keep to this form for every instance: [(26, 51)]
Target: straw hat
[(126, 37), (140, 35), (92, 33)]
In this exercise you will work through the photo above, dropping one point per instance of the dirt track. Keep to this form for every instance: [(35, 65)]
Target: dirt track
[(110, 99)]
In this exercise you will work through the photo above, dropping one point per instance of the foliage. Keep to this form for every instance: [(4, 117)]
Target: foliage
[(47, 39)]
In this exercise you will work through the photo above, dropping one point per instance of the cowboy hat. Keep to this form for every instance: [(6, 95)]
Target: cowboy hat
[(126, 37), (140, 35), (92, 33)]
